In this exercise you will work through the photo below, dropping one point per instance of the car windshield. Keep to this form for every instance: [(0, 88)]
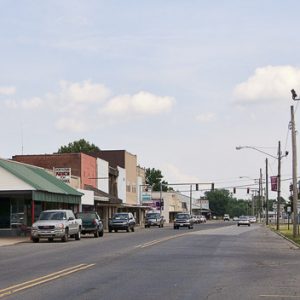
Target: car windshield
[(86, 216), (53, 215), (120, 217), (182, 216), (152, 216), (244, 218)]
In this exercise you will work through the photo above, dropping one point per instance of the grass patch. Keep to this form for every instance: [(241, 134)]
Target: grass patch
[(287, 232)]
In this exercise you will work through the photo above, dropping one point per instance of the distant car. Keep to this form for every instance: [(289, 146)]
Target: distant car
[(235, 218), (121, 221), (91, 223), (226, 217), (202, 219), (252, 219), (154, 219), (243, 220), (183, 220)]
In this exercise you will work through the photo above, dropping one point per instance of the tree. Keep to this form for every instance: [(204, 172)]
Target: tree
[(79, 146), (154, 178)]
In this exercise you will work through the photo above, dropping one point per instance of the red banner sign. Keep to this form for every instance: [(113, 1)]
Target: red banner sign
[(274, 183)]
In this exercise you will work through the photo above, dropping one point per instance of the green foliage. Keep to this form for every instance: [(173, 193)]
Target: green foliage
[(154, 178), (221, 202), (78, 146)]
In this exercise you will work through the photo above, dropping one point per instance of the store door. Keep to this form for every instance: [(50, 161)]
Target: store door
[(4, 213)]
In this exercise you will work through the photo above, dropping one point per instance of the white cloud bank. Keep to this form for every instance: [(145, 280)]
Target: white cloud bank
[(77, 105), (268, 84), (7, 90), (140, 104)]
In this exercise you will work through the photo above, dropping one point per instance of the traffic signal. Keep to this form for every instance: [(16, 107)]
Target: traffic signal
[(291, 187), (197, 187), (248, 190), (212, 186), (234, 190)]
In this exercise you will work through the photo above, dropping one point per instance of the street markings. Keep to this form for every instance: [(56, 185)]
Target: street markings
[(154, 242), (40, 280), (280, 296)]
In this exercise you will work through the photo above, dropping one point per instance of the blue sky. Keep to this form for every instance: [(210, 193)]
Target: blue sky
[(178, 83)]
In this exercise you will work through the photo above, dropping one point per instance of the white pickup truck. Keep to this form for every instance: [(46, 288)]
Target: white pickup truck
[(53, 224)]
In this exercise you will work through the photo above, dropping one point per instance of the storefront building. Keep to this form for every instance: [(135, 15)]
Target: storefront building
[(25, 191)]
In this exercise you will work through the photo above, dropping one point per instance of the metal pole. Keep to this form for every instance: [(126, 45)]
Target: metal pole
[(295, 187), (191, 199), (260, 195), (278, 186), (160, 198), (267, 194)]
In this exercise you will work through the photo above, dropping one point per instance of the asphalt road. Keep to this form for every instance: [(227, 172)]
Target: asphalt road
[(213, 261)]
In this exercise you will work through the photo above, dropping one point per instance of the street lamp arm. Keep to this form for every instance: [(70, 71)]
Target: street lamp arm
[(250, 147)]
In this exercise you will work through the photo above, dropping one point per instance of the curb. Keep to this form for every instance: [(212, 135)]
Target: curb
[(284, 237)]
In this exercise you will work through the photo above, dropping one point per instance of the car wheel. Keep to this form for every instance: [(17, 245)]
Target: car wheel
[(162, 225), (116, 230), (35, 240), (78, 236), (109, 229), (127, 229), (50, 239), (66, 236), (101, 233), (132, 229), (249, 225), (96, 233), (238, 224)]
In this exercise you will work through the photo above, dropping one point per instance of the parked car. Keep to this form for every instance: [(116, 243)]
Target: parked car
[(235, 218), (202, 219), (91, 223), (226, 217), (121, 221), (154, 219), (56, 224), (243, 220), (183, 220)]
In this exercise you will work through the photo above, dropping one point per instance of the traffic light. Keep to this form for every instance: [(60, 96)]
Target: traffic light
[(291, 187), (234, 190), (212, 186), (248, 190), (197, 187)]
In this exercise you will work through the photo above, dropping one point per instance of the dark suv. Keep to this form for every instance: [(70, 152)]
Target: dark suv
[(91, 223), (121, 221), (183, 220), (154, 219)]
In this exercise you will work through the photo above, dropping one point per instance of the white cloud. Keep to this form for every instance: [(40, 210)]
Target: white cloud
[(206, 117), (85, 92), (140, 104), (268, 84), (29, 104), (173, 175), (69, 124), (7, 90)]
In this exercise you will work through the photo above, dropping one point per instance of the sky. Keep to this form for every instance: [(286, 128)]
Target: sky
[(179, 83)]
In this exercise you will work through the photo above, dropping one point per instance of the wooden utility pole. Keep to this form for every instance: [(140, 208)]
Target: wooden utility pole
[(295, 187), (267, 194), (278, 186)]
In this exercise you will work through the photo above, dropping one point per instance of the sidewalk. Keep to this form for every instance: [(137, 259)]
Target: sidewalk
[(7, 241)]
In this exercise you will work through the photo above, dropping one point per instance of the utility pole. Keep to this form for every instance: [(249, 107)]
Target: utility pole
[(278, 186), (267, 194), (160, 198), (190, 199), (260, 194), (295, 187)]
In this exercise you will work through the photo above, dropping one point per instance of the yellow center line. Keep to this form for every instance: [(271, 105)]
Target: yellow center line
[(154, 242), (31, 283)]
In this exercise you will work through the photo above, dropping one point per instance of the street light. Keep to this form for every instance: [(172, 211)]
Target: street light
[(278, 157)]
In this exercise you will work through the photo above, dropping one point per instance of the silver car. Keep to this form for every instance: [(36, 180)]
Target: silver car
[(243, 220)]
